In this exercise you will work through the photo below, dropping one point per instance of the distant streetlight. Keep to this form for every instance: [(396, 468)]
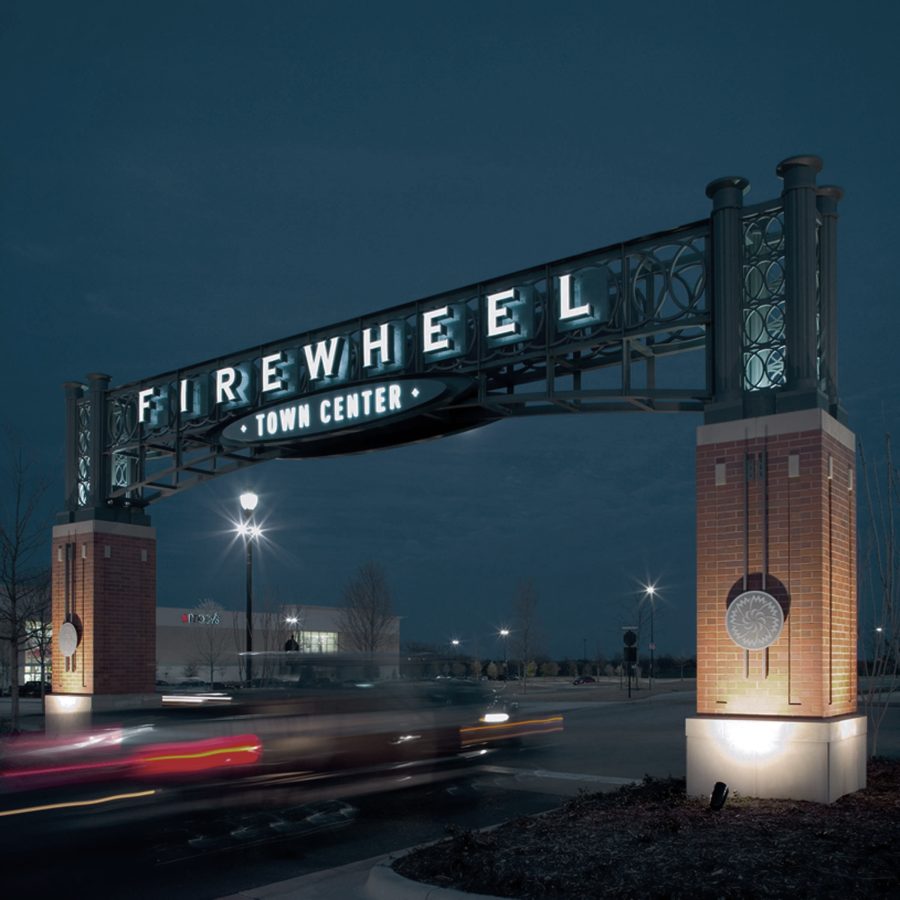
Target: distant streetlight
[(650, 593), (291, 644), (504, 633), (249, 530)]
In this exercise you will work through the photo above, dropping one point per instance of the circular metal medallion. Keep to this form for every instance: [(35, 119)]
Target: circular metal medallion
[(754, 620), (68, 638)]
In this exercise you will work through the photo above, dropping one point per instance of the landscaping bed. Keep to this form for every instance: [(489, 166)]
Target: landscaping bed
[(650, 840)]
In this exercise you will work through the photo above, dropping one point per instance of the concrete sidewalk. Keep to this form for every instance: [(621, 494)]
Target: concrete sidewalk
[(343, 883), (368, 879)]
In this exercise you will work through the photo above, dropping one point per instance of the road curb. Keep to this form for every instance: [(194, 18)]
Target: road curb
[(384, 883)]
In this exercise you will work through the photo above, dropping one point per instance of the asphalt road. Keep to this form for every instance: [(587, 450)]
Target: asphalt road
[(607, 740)]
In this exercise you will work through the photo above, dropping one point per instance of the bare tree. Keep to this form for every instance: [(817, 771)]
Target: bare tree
[(23, 569), (269, 633), (211, 638), (269, 643), (238, 638), (39, 629), (367, 616), (525, 624), (880, 623)]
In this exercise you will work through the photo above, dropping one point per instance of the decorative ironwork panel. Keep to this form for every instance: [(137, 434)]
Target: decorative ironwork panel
[(821, 380), (83, 472), (764, 298)]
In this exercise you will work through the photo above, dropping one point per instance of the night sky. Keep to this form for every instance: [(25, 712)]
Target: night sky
[(181, 180)]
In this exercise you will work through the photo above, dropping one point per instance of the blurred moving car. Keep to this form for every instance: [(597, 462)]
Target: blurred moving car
[(584, 679), (242, 750)]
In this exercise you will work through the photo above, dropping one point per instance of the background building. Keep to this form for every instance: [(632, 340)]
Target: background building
[(205, 643)]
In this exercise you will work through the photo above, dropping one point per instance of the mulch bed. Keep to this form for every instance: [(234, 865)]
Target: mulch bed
[(650, 840)]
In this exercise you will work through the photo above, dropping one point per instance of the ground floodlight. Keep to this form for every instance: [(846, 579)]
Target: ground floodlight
[(719, 795)]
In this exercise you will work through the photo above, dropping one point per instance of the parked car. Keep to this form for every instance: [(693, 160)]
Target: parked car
[(33, 689), (584, 679)]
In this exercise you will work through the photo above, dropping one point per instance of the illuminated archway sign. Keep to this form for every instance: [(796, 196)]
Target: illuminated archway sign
[(749, 290), (330, 413)]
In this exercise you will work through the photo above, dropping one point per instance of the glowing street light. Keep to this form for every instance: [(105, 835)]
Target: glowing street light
[(650, 593), (249, 530), (504, 633), (291, 644)]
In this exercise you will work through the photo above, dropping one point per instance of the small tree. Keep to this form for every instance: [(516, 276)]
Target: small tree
[(239, 642), (269, 642), (550, 669), (211, 637), (879, 569), (39, 631), (525, 618), (367, 616), (23, 572)]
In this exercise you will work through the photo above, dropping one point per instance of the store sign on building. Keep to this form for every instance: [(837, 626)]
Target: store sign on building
[(196, 618)]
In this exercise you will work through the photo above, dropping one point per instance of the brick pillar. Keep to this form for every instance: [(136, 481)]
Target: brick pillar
[(104, 582), (776, 511)]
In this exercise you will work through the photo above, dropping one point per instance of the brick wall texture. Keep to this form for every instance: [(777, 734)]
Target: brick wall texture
[(104, 579), (781, 517)]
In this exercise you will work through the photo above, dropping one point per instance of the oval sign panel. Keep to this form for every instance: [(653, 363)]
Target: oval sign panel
[(371, 403), (68, 639), (754, 620)]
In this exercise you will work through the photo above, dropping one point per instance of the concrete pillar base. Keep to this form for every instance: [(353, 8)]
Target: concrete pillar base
[(777, 758), (65, 713)]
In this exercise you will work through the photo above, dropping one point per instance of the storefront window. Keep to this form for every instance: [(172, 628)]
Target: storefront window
[(318, 641)]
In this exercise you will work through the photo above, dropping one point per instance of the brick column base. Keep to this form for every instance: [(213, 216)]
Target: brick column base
[(776, 513), (797, 759), (104, 584)]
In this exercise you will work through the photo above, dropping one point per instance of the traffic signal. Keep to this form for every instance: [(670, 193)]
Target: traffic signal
[(629, 638)]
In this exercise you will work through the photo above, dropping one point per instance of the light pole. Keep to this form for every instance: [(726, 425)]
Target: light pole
[(291, 644), (504, 633), (650, 592), (249, 530)]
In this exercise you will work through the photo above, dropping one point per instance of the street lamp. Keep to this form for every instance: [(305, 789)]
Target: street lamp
[(249, 530), (504, 633), (291, 644), (650, 592)]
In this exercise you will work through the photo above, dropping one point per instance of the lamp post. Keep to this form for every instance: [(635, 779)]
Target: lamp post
[(504, 633), (249, 530), (292, 645), (650, 592)]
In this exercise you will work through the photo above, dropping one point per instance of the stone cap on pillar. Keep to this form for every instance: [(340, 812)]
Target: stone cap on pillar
[(727, 191), (799, 171), (827, 198)]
